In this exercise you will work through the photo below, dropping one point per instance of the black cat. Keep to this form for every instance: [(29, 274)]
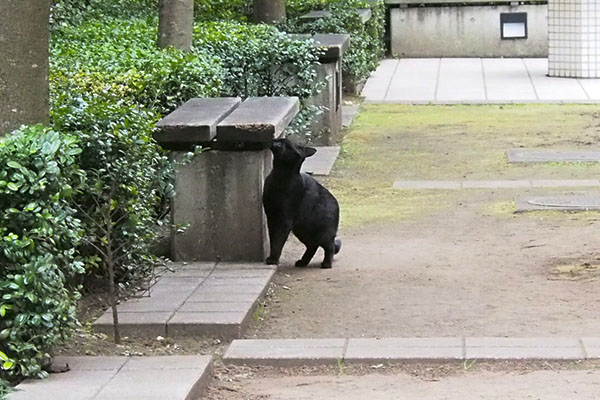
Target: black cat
[(295, 202)]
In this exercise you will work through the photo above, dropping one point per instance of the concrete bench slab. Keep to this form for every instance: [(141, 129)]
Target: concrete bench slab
[(544, 156), (194, 301), (166, 377), (334, 44), (258, 120), (195, 122), (316, 14), (365, 15), (558, 203), (322, 161)]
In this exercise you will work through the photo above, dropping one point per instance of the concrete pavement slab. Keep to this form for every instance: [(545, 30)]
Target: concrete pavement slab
[(574, 202), (507, 79), (524, 348), (460, 79), (399, 349), (443, 185), (378, 83), (535, 156), (591, 347), (414, 80), (552, 89), (321, 163), (285, 352)]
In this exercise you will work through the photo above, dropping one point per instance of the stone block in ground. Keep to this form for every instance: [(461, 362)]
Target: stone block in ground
[(417, 185), (259, 282), (524, 348), (542, 156), (500, 184), (146, 324), (202, 296), (591, 346), (398, 349), (217, 306), (232, 266), (285, 352), (348, 114), (558, 203), (242, 273), (221, 324), (322, 161), (72, 385)]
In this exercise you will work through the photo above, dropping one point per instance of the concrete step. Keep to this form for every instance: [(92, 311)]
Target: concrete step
[(295, 352), (123, 378), (197, 299)]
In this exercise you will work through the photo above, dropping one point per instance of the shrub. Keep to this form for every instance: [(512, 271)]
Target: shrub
[(39, 235), (127, 176), (120, 57), (5, 387), (366, 43), (228, 10), (74, 12), (258, 60)]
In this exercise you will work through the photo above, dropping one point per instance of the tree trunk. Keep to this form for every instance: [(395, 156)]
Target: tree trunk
[(24, 36), (269, 11), (176, 24)]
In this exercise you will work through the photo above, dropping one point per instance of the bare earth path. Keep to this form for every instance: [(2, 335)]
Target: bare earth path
[(448, 263)]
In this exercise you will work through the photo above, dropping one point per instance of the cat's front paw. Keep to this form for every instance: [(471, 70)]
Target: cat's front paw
[(301, 263), (272, 261), (325, 265)]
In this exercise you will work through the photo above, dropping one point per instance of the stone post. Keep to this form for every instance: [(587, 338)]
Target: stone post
[(176, 24), (24, 33), (574, 47), (269, 11)]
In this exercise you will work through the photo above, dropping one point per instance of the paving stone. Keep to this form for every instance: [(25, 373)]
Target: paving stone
[(558, 203), (444, 185), (348, 114), (231, 266), (242, 273), (146, 324), (536, 156), (548, 183), (195, 121), (524, 348), (220, 324), (171, 279), (237, 289), (285, 352), (73, 385), (217, 306), (512, 184), (591, 347), (203, 296), (85, 363), (389, 349), (165, 377), (322, 162), (258, 282), (258, 120)]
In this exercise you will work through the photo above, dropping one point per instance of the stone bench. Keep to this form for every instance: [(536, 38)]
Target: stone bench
[(219, 192)]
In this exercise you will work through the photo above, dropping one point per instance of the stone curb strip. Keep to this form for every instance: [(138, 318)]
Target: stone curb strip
[(198, 299), (123, 378), (322, 162), (501, 184), (297, 352)]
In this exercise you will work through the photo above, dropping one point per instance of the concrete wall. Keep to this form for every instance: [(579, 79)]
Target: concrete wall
[(453, 31)]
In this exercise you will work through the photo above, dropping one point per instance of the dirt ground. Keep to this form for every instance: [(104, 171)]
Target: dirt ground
[(434, 381), (448, 263)]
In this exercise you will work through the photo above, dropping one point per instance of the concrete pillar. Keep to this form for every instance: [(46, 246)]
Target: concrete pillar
[(574, 44), (219, 200), (269, 11), (176, 24), (24, 33)]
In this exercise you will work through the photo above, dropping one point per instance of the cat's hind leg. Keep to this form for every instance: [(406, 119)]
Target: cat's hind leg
[(329, 251), (308, 255)]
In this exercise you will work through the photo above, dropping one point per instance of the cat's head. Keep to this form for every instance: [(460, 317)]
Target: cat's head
[(287, 154)]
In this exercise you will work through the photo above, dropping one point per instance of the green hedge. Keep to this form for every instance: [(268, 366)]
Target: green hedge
[(366, 40), (39, 237)]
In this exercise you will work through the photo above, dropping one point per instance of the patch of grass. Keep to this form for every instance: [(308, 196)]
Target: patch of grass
[(576, 271), (459, 142), (500, 208)]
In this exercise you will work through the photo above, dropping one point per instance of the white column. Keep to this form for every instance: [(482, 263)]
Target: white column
[(574, 38)]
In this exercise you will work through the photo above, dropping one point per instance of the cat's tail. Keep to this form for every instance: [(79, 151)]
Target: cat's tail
[(338, 246)]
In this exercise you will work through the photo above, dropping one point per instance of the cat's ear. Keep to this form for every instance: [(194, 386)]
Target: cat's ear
[(308, 151)]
